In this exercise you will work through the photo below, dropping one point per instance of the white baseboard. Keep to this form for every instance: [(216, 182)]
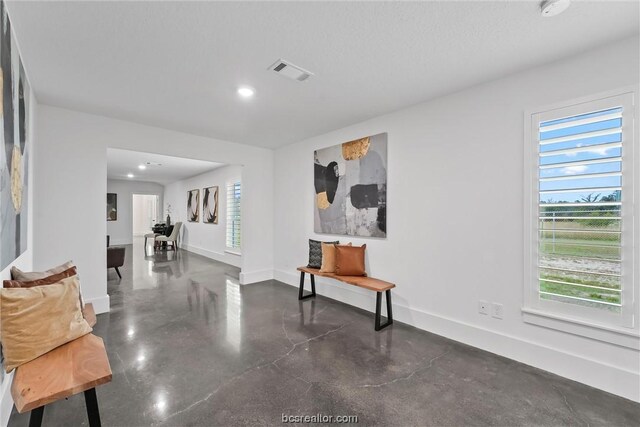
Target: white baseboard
[(120, 242), (255, 276), (6, 400), (100, 304), (234, 260), (575, 367)]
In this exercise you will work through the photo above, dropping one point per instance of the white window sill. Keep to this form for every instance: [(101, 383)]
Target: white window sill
[(233, 252), (619, 336)]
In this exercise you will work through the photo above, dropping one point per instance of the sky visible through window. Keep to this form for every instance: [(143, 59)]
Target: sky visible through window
[(597, 153)]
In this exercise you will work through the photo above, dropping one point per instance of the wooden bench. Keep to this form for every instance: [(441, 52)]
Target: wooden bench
[(377, 285), (77, 366)]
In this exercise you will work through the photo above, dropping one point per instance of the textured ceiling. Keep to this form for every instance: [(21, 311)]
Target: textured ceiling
[(177, 64), (165, 169)]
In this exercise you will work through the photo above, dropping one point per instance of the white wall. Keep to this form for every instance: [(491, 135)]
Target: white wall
[(121, 231), (205, 239), (71, 189), (455, 216), (71, 185)]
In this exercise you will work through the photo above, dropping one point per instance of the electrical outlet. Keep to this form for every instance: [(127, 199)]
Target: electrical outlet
[(496, 310), (483, 307)]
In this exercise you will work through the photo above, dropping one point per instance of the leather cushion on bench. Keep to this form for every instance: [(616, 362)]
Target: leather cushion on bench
[(350, 260), (17, 274), (50, 280), (329, 257)]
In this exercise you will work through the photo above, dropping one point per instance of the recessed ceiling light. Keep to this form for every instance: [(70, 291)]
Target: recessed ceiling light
[(129, 175), (553, 7), (142, 167), (245, 91)]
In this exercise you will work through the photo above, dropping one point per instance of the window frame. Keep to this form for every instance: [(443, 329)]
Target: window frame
[(621, 329)]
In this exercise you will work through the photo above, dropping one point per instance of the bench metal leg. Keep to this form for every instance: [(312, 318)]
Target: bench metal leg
[(118, 271), (378, 326), (35, 418), (301, 295), (91, 400)]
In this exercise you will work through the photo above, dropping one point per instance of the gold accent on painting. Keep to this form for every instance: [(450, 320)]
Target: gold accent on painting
[(356, 149), (16, 178), (1, 91), (322, 201)]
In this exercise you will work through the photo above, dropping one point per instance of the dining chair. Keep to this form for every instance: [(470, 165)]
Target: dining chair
[(173, 237)]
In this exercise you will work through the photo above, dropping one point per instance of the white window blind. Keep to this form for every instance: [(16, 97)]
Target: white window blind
[(234, 196), (581, 242)]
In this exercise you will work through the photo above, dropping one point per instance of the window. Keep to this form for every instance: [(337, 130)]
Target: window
[(234, 195), (580, 223)]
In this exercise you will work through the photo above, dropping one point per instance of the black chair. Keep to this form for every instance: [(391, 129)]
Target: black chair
[(115, 258)]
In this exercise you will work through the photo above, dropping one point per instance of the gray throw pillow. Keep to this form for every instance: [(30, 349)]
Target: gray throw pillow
[(315, 253)]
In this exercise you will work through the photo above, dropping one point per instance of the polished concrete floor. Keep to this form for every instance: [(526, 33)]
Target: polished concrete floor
[(189, 346)]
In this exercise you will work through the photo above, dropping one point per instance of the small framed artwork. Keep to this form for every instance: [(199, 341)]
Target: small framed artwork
[(112, 206), (210, 205), (193, 205)]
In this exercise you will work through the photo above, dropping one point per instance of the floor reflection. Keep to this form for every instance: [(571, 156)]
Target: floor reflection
[(384, 340), (201, 299), (310, 318), (234, 314), (170, 263), (155, 266)]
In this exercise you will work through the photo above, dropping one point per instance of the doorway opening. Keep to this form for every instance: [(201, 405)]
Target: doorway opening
[(201, 199), (146, 213)]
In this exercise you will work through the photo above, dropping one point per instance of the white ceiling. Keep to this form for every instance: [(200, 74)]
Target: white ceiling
[(122, 162), (178, 64)]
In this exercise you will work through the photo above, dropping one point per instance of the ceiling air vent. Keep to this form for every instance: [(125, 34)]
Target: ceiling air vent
[(287, 69)]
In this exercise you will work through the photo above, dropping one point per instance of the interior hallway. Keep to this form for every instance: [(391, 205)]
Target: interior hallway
[(189, 346)]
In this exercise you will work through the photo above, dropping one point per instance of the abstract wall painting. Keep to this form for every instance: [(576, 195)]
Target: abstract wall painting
[(193, 205), (16, 142), (112, 206), (210, 205), (350, 183)]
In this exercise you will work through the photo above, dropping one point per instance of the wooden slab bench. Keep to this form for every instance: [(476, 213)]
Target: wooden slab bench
[(77, 366), (370, 283)]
